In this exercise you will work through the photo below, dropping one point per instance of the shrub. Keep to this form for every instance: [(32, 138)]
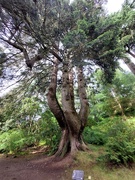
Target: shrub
[(49, 131), (94, 136), (13, 141), (120, 146), (3, 142), (46, 129)]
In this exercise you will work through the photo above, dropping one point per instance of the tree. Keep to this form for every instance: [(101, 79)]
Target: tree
[(60, 40), (127, 36), (112, 100)]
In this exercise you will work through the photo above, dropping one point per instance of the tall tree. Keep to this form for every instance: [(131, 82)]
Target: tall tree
[(61, 39), (127, 36)]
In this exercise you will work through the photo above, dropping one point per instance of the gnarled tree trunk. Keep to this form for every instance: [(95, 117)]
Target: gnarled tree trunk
[(72, 123)]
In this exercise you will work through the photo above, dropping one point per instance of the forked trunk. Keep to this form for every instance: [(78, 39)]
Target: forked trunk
[(71, 123), (72, 118), (75, 122), (52, 99), (84, 110)]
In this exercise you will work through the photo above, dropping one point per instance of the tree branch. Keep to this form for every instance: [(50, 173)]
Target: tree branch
[(56, 55), (17, 46)]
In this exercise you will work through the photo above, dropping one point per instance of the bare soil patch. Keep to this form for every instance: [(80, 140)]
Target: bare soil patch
[(33, 167)]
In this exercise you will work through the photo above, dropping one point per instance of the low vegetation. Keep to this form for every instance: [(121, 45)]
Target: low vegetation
[(93, 169)]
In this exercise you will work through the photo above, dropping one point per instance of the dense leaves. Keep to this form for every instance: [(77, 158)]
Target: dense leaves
[(121, 143), (115, 99), (87, 34)]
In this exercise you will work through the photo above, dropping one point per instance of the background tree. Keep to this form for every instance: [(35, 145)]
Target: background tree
[(112, 100), (127, 34)]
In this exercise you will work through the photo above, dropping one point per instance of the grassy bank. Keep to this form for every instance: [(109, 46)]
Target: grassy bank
[(95, 170)]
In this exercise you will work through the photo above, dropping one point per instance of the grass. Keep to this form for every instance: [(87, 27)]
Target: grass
[(94, 170)]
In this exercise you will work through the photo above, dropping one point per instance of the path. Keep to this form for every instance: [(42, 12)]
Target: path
[(38, 167)]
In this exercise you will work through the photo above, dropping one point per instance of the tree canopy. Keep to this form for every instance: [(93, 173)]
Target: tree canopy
[(58, 28)]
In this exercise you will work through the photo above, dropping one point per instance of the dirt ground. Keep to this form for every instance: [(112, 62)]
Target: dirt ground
[(35, 167)]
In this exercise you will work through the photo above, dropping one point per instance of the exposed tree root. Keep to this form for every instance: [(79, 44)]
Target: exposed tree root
[(70, 145)]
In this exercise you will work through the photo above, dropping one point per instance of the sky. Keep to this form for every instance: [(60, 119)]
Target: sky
[(114, 5)]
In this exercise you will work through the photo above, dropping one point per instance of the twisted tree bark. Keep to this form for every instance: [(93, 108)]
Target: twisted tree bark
[(71, 123)]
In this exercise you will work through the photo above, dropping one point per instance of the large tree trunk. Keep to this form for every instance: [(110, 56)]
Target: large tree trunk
[(72, 124), (52, 99), (71, 116), (84, 110), (75, 122), (57, 111)]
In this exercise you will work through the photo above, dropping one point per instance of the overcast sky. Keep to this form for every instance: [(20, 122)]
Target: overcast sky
[(114, 5)]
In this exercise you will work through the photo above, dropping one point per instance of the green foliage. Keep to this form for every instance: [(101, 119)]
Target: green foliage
[(30, 133), (125, 84), (113, 99), (118, 138), (13, 141), (96, 132), (26, 123), (104, 124), (30, 106), (14, 113), (120, 146), (7, 114), (124, 88), (49, 131), (92, 136)]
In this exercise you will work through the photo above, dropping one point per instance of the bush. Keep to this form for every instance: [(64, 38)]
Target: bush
[(97, 133), (3, 142), (50, 132), (120, 146), (94, 136), (44, 130), (13, 141)]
